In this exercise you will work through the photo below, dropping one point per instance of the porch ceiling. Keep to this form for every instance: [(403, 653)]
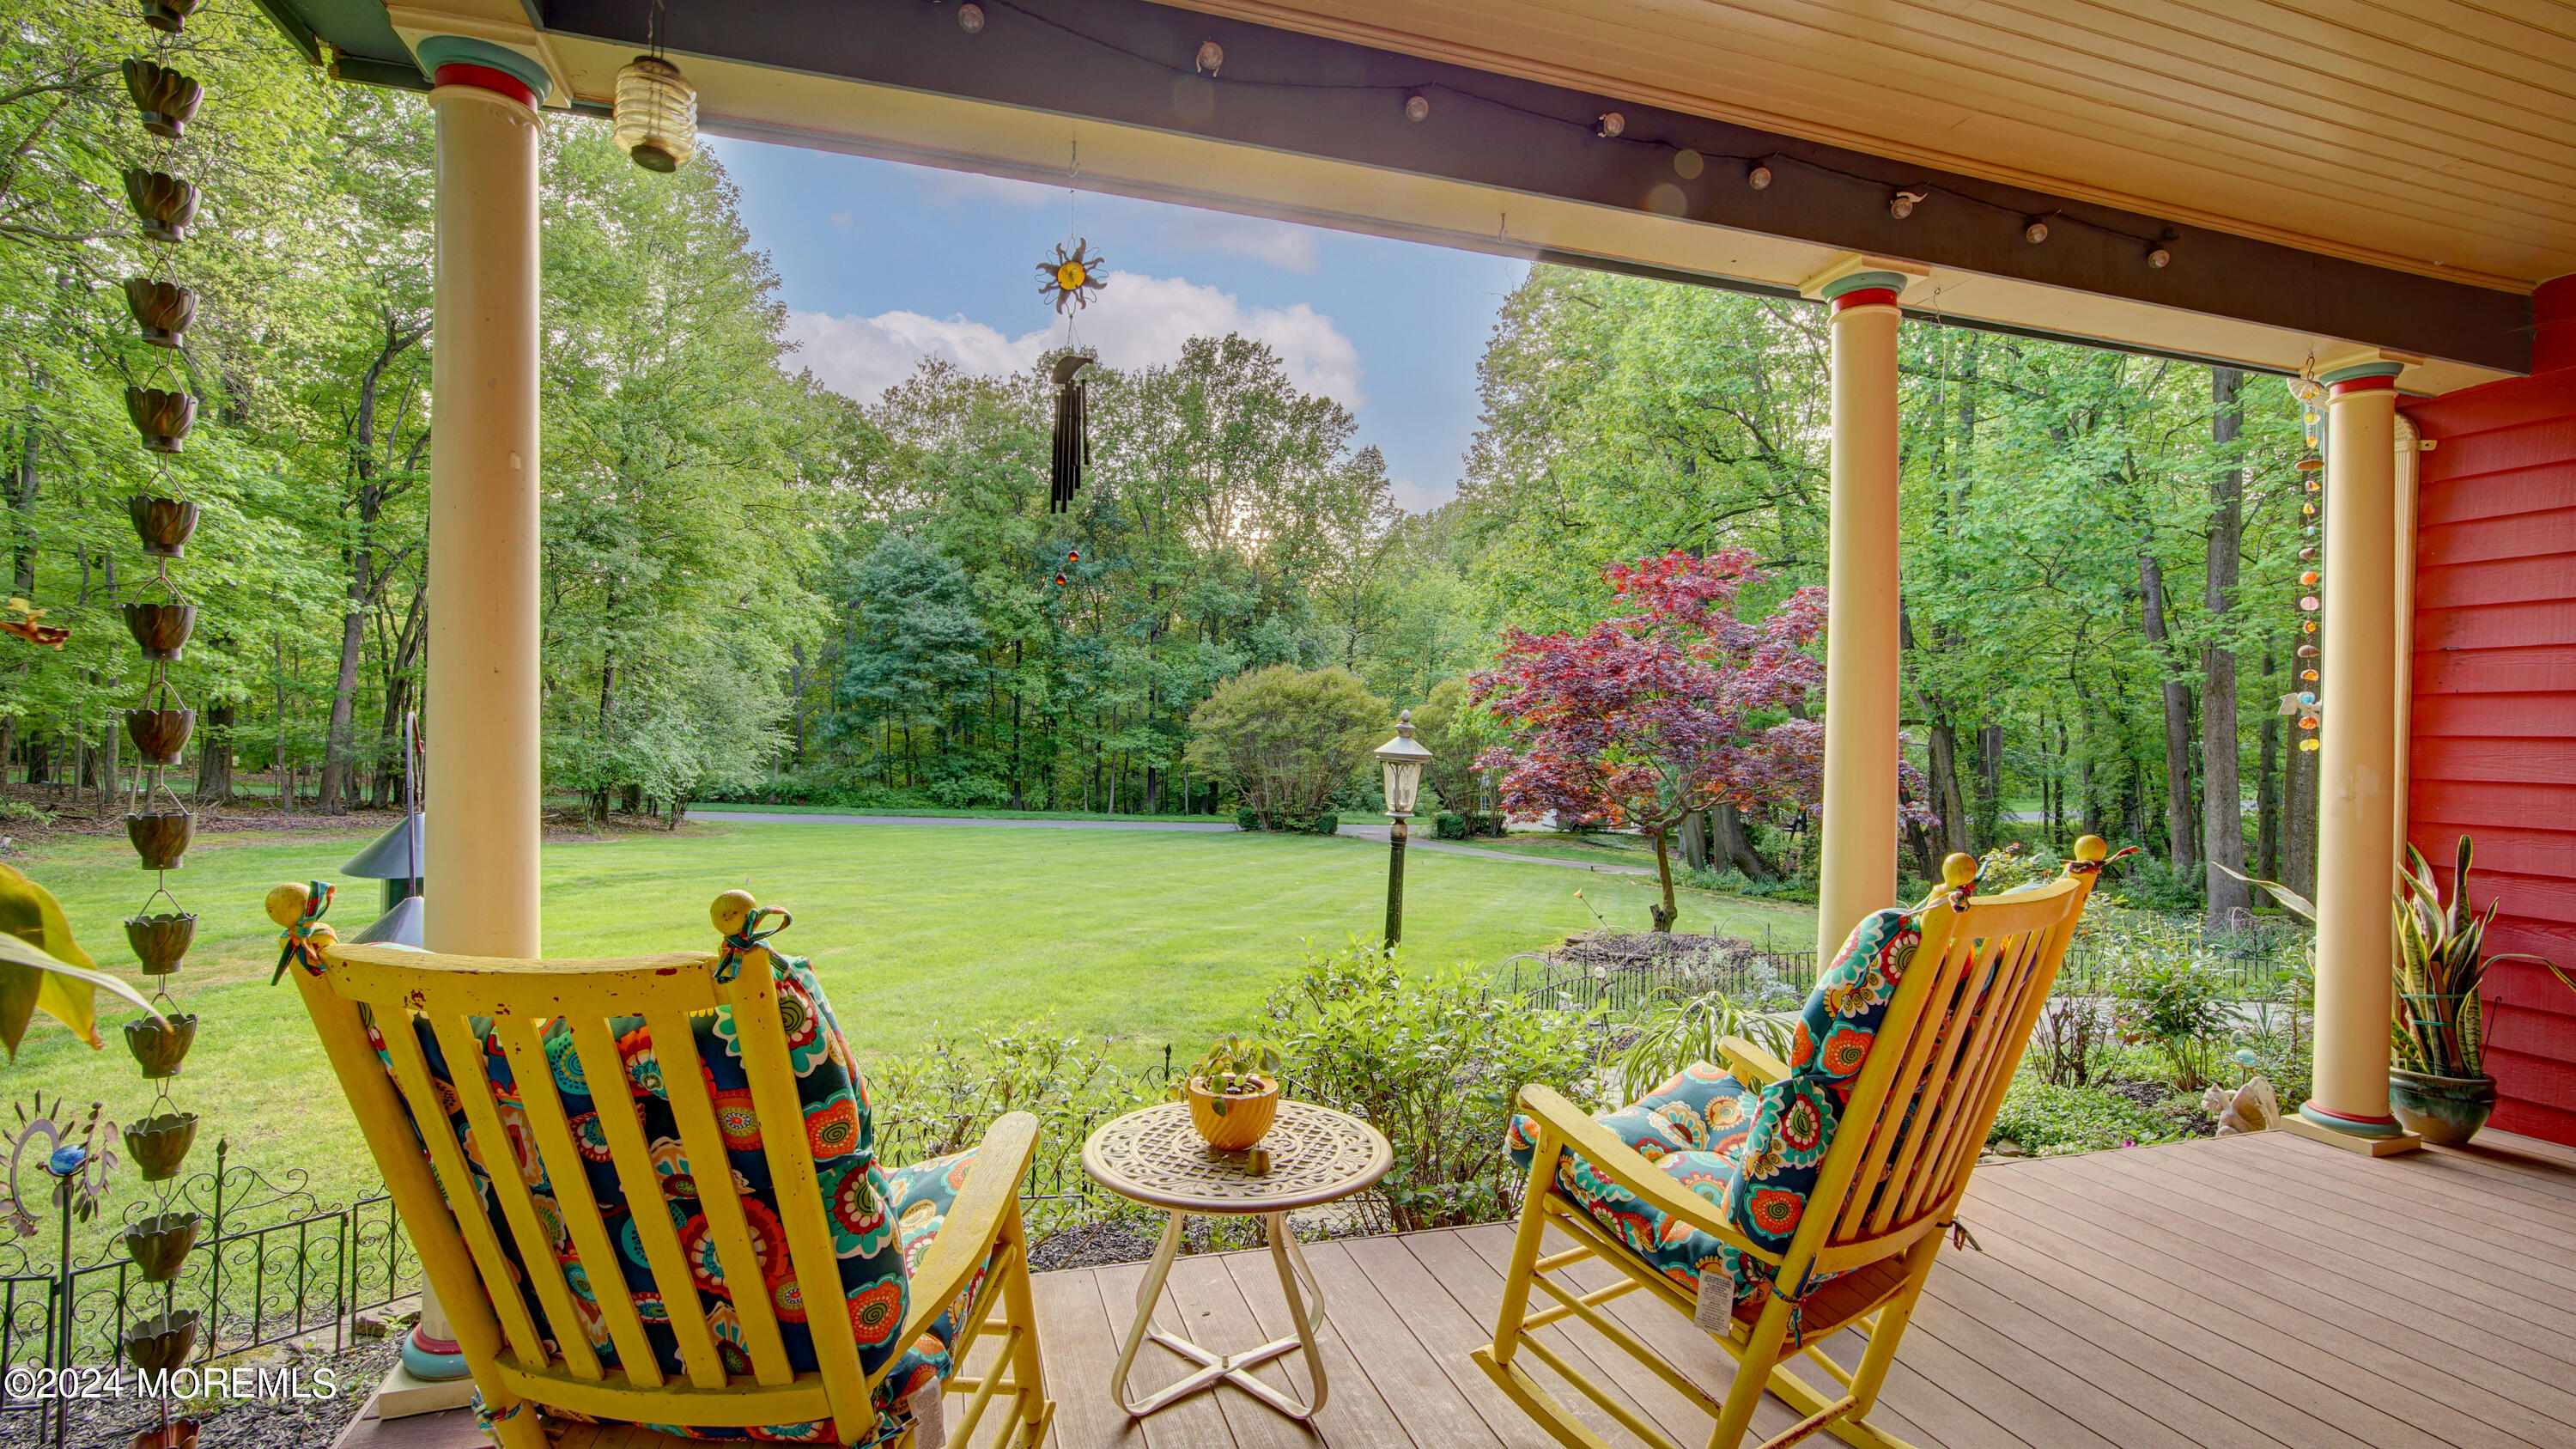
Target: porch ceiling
[(2322, 184), (2433, 135)]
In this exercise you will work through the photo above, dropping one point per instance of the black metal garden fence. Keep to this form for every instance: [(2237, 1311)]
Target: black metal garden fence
[(272, 1262)]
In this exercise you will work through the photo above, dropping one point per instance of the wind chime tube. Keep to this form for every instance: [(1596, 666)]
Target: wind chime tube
[(1072, 434)]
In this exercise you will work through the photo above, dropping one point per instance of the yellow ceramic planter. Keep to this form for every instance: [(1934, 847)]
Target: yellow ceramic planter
[(1242, 1123)]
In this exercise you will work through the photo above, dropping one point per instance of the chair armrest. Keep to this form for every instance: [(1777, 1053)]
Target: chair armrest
[(1624, 1165), (1750, 1064), (974, 1220)]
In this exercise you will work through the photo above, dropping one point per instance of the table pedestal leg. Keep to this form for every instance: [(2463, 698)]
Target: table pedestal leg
[(1305, 1310)]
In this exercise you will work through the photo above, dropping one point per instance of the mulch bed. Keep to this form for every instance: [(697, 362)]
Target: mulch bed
[(279, 1423)]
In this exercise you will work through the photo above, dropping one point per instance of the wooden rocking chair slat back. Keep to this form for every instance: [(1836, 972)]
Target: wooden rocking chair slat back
[(399, 991), (1909, 1135)]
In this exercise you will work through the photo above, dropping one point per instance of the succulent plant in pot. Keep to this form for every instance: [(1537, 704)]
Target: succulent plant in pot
[(1233, 1092), (2438, 1085)]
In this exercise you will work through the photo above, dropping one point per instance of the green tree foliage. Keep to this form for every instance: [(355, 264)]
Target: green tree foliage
[(1286, 738)]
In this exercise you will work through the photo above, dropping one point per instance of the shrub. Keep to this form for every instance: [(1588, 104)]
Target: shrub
[(2071, 1032), (1432, 1061), (2152, 885), (2179, 1008), (1248, 818), (1325, 824), (1449, 825), (2049, 1120), (943, 1097), (1287, 738)]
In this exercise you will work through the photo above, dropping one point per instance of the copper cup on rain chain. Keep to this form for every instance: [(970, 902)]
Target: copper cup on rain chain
[(161, 837), (166, 98), (160, 1144), (164, 524), (161, 630), (159, 941), (164, 203), (162, 309), (161, 1046), (159, 1244), (162, 1342), (163, 418), (160, 734), (169, 16), (178, 1434)]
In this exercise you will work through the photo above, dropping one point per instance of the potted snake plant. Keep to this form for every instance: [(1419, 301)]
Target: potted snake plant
[(2438, 1084), (1233, 1092)]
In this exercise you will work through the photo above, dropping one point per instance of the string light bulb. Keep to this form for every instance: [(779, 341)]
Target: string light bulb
[(1759, 178), (656, 116), (1211, 57), (1902, 204), (1417, 107), (970, 18), (1611, 126), (2159, 258), (2036, 232)]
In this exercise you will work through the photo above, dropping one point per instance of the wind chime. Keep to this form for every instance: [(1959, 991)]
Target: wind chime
[(1070, 280), (2302, 702), (157, 823)]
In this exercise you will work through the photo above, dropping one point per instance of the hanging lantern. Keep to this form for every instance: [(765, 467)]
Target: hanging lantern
[(2310, 465), (2307, 744), (2309, 578), (656, 115)]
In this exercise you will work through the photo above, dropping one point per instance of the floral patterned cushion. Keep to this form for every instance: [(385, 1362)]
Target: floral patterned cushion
[(1753, 1154), (882, 1221)]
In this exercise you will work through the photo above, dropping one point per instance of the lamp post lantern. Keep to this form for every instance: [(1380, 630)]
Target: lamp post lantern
[(1402, 760)]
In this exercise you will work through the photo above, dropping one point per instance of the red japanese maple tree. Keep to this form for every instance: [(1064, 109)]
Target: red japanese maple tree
[(1645, 719)]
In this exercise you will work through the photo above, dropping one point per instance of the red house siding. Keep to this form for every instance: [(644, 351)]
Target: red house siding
[(2493, 748)]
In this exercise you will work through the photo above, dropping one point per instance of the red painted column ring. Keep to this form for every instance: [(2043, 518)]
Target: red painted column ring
[(2358, 384), (1866, 297), (499, 82)]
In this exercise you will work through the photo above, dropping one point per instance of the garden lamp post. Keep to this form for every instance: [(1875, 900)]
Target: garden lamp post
[(1402, 759)]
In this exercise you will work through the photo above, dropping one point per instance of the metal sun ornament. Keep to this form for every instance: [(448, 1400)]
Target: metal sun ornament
[(1071, 278)]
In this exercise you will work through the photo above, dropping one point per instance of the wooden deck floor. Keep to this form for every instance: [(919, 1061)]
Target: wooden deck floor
[(2235, 1293)]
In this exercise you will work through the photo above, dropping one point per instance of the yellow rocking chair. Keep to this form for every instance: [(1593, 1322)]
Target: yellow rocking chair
[(587, 1326), (1776, 1206)]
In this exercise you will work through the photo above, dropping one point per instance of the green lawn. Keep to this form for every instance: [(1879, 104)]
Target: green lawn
[(1143, 937), (719, 807), (1589, 849)]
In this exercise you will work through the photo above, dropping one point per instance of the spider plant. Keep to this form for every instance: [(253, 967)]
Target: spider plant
[(1686, 1029)]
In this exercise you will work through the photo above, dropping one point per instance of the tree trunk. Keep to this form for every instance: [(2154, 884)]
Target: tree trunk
[(22, 501), (1943, 753), (1729, 844), (332, 794), (215, 754), (2222, 811), (1694, 840), (1667, 911), (1990, 783), (2181, 837)]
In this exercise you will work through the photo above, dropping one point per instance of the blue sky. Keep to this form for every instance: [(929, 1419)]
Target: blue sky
[(883, 264)]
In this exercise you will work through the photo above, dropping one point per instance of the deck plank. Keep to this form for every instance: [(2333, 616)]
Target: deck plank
[(2196, 1275), (1192, 1423), (1209, 1310), (2499, 1300), (2264, 1293), (1356, 1415), (2346, 1306)]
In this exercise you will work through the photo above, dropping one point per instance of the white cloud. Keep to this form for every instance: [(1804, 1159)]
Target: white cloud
[(1135, 321), (1415, 497), (1282, 245)]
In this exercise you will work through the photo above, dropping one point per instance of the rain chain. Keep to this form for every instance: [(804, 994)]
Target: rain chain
[(157, 823), (2303, 700)]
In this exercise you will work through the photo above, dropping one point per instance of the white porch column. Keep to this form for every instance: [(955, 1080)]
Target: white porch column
[(484, 798), (1858, 863), (2358, 781)]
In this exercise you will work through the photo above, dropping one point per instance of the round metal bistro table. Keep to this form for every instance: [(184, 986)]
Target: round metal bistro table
[(1157, 1158)]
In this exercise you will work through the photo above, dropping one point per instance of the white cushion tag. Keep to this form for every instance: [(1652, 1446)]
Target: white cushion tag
[(1716, 1309), (929, 1416)]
